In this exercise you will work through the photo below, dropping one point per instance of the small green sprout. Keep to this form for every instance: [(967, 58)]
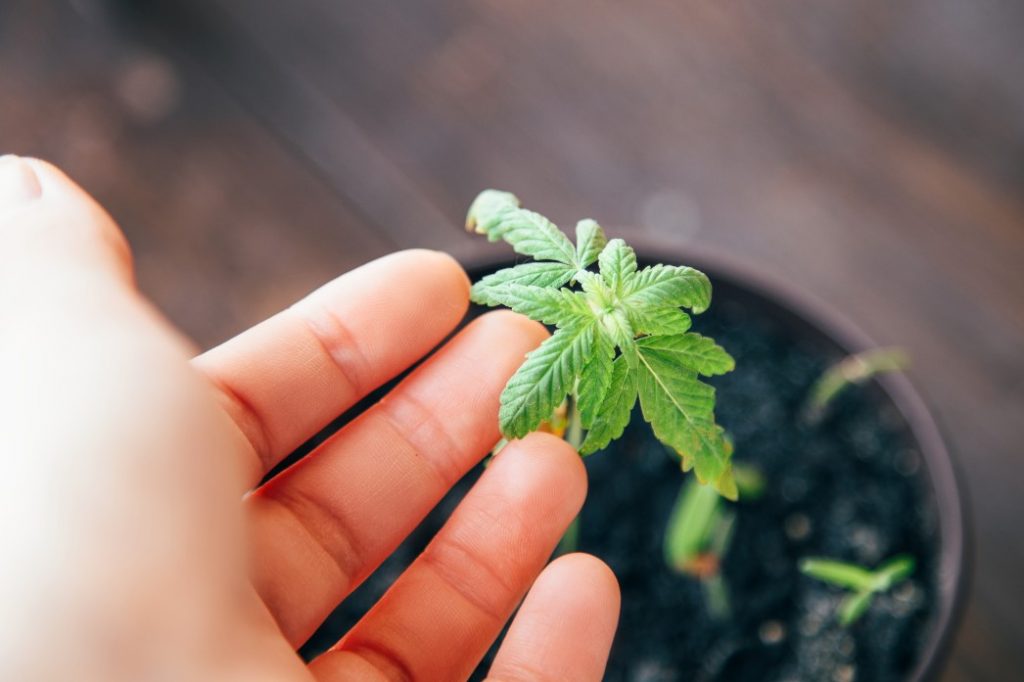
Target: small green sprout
[(699, 533), (862, 583), (853, 370), (621, 335), (699, 527)]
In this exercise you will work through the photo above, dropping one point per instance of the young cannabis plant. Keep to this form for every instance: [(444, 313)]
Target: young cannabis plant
[(621, 335), (863, 583), (699, 529), (699, 533), (852, 370)]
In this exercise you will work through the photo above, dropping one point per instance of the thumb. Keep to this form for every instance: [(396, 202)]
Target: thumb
[(119, 524), (55, 240)]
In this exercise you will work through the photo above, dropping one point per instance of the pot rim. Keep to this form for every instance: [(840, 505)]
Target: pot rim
[(812, 312)]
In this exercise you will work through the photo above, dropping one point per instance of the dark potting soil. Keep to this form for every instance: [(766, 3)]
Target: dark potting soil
[(851, 488)]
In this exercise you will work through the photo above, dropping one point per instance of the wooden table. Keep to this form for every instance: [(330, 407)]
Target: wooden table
[(871, 152)]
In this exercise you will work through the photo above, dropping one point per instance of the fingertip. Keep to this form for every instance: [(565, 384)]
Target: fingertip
[(598, 579), (436, 267), (446, 267), (19, 183), (519, 327), (565, 627), (46, 169), (56, 184), (64, 220), (565, 472)]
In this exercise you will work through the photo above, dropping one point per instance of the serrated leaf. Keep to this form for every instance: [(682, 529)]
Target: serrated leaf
[(487, 211), (543, 381), (613, 416), (594, 284), (595, 379), (547, 275), (662, 286), (590, 240), (617, 263), (680, 410), (658, 321), (559, 307), (497, 214), (616, 305), (693, 351)]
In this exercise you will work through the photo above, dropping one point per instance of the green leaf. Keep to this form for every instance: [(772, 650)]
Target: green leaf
[(549, 275), (590, 240), (595, 379), (691, 525), (617, 263), (487, 211), (893, 572), (692, 351), (658, 321), (613, 416), (662, 286), (749, 482), (863, 583), (838, 573), (497, 214), (543, 381), (680, 410), (559, 307), (617, 304), (853, 607), (852, 370)]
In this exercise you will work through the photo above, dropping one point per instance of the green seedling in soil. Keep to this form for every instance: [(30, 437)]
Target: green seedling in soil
[(855, 369), (699, 533), (621, 335), (862, 583)]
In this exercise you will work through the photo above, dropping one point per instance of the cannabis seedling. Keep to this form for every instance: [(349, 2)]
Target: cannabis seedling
[(620, 335), (700, 526), (699, 533), (862, 583), (852, 370)]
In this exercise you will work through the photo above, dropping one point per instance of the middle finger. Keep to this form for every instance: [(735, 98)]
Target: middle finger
[(319, 528)]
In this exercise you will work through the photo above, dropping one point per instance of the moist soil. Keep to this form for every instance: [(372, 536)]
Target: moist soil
[(851, 487)]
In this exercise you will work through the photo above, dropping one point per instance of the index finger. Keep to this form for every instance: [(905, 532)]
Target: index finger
[(288, 377)]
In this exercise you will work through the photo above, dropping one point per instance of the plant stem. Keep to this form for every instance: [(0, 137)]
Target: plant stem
[(571, 540), (574, 429), (717, 594), (574, 436)]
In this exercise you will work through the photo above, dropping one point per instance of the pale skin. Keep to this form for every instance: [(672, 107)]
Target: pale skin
[(137, 541)]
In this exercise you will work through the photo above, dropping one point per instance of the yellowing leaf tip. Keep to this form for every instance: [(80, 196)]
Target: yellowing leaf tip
[(486, 203)]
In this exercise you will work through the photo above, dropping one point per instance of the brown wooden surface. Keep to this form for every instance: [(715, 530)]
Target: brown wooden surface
[(873, 152)]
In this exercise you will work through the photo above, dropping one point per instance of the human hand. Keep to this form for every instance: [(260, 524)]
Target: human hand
[(132, 545)]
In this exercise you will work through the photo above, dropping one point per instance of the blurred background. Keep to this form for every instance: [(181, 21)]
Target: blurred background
[(870, 152)]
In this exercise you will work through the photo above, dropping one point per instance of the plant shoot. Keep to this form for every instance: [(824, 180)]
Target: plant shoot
[(621, 335)]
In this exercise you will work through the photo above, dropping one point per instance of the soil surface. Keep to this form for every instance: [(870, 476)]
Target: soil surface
[(851, 488)]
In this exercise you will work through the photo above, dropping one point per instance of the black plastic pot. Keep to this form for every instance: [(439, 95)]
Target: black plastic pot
[(806, 317), (803, 319), (810, 317)]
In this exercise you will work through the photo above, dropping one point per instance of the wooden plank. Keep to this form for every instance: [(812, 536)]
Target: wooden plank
[(311, 121), (227, 226)]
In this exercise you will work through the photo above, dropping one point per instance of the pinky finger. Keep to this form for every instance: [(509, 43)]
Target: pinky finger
[(565, 627)]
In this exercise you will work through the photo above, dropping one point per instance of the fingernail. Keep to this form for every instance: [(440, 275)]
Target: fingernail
[(18, 182)]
